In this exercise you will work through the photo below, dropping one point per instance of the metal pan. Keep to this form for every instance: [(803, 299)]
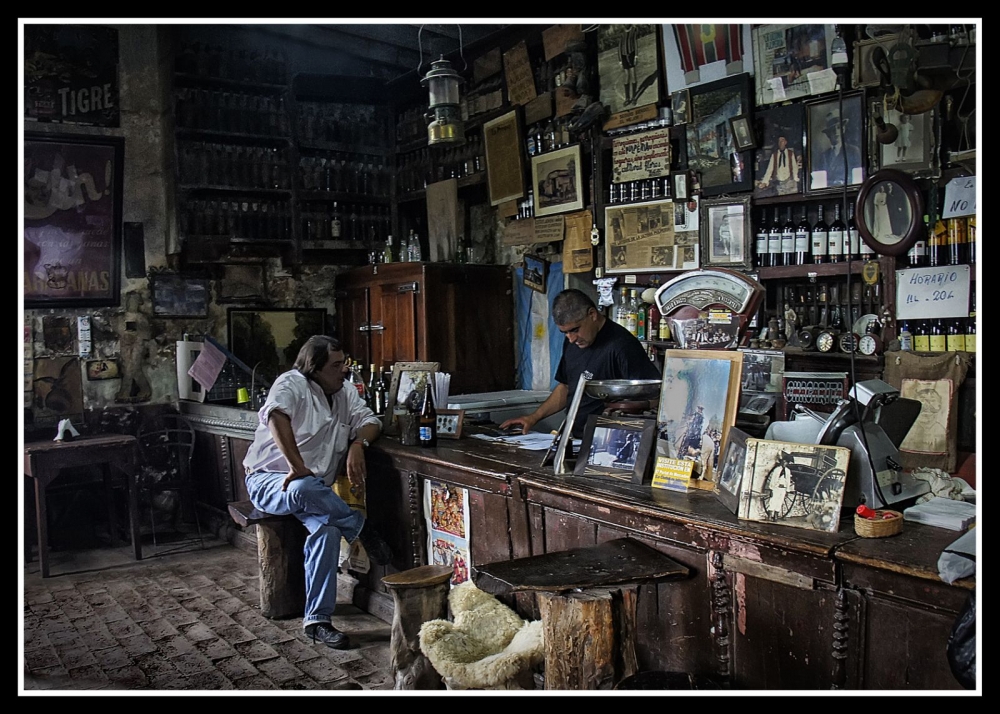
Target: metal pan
[(622, 389)]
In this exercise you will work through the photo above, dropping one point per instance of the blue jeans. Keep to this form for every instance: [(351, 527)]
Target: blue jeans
[(326, 517)]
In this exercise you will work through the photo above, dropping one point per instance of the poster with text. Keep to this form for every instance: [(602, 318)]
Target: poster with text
[(446, 510)]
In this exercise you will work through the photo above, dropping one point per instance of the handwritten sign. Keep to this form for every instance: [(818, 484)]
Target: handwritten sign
[(960, 197), (520, 232), (923, 293), (631, 116), (517, 68), (556, 38), (641, 156), (548, 229)]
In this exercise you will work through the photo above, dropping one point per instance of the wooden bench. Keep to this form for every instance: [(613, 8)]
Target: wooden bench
[(280, 540)]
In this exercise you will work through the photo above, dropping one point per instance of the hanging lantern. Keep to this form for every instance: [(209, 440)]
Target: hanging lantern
[(442, 82)]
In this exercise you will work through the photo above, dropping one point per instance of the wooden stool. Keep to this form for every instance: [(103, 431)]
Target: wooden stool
[(587, 599), (280, 543), (419, 594)]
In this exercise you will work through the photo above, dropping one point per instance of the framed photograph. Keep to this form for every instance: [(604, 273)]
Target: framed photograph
[(762, 371), (628, 65), (727, 489), (828, 140), (449, 423), (640, 237), (617, 447), (889, 212), (711, 146), (696, 54), (536, 272), (742, 133), (726, 233), (179, 296), (793, 61), (72, 220), (790, 484), (915, 150), (504, 163), (871, 62), (779, 160), (269, 339), (679, 103), (557, 181), (699, 400), (406, 389)]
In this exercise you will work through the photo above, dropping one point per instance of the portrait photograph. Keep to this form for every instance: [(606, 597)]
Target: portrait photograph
[(890, 212), (616, 446), (829, 138), (742, 133), (725, 232), (727, 489), (915, 149), (778, 161), (679, 103), (628, 66)]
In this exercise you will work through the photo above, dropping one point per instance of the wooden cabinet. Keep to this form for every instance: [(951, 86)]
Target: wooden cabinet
[(458, 315)]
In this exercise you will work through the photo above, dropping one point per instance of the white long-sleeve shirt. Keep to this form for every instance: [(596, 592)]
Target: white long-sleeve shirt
[(323, 432)]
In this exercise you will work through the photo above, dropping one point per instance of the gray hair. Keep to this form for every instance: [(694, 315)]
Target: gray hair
[(571, 305)]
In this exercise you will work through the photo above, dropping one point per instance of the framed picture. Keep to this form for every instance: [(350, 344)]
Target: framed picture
[(790, 484), (779, 160), (889, 212), (504, 163), (727, 489), (536, 272), (449, 423), (72, 220), (680, 187), (269, 339), (762, 371), (726, 233), (871, 62), (406, 389), (557, 181), (793, 61), (742, 133), (695, 412), (179, 296), (618, 447), (711, 147), (915, 150), (679, 104), (640, 237), (628, 65), (828, 140), (696, 54)]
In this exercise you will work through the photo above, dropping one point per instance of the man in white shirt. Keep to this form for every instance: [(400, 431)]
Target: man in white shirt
[(307, 428), (783, 167)]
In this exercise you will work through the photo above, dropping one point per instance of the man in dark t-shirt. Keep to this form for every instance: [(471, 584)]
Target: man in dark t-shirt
[(594, 346)]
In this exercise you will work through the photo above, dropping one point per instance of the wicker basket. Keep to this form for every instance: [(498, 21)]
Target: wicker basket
[(877, 527)]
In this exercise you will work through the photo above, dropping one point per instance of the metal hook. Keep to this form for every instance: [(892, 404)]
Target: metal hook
[(461, 49)]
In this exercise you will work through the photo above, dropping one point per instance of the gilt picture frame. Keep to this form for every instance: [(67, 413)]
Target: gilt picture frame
[(504, 158)]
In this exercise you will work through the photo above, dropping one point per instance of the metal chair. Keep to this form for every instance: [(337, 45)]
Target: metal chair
[(166, 447)]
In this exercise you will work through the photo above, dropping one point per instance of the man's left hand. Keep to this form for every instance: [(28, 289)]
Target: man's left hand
[(356, 467)]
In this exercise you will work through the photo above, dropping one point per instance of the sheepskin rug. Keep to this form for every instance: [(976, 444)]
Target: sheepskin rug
[(486, 646)]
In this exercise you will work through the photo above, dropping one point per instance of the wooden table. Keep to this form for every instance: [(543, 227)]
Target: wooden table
[(43, 461)]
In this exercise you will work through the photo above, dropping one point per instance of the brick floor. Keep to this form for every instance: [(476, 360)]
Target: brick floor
[(187, 619)]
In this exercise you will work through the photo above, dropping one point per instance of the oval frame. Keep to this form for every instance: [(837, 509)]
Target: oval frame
[(865, 207)]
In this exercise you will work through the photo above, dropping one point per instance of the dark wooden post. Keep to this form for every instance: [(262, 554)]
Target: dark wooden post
[(280, 543)]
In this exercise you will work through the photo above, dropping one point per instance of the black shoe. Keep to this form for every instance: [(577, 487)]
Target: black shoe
[(328, 634), (377, 549)]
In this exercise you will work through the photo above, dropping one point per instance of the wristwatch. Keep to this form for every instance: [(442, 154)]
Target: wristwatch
[(364, 443)]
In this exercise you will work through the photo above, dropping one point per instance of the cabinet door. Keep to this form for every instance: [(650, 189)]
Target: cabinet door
[(395, 309), (354, 322)]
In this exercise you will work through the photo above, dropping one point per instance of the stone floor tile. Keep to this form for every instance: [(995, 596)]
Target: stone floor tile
[(112, 658), (254, 650), (278, 670), (197, 632), (89, 676), (216, 648), (159, 629), (99, 638), (191, 663), (209, 680), (76, 657), (230, 605), (321, 669), (130, 677), (236, 667), (180, 616), (41, 658), (235, 634), (295, 650), (298, 684), (125, 628), (175, 646), (138, 644), (257, 682)]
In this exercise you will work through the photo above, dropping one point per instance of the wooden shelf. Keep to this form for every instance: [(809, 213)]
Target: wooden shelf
[(804, 271), (185, 79), (341, 147), (832, 194), (342, 196), (214, 188), (210, 134)]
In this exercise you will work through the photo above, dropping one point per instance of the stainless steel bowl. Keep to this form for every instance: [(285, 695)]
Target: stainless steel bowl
[(611, 390)]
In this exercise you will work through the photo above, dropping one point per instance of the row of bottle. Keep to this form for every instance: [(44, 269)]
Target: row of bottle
[(553, 135), (643, 320), (373, 392), (364, 175), (950, 241), (650, 189), (787, 242), (343, 123), (941, 335), (417, 169), (269, 66), (233, 165), (243, 218), (236, 112), (360, 222)]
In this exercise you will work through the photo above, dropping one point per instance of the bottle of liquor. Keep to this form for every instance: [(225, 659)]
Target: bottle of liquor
[(370, 387), (937, 245), (632, 315), (957, 241), (921, 336), (620, 309), (851, 236), (835, 236), (970, 327), (413, 248), (428, 418), (774, 240), (862, 249), (802, 232), (653, 321), (387, 251), (905, 338), (820, 237), (916, 257), (971, 236), (376, 387), (788, 239), (664, 332), (641, 312), (939, 340), (955, 340), (763, 257)]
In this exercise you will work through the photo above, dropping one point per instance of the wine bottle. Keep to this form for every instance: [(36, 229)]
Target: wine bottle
[(939, 340), (428, 418), (820, 239), (802, 232), (763, 258), (957, 241), (916, 257), (970, 327), (852, 238), (835, 236), (864, 250), (937, 249), (641, 313), (921, 337), (788, 239), (955, 341), (971, 242), (774, 240)]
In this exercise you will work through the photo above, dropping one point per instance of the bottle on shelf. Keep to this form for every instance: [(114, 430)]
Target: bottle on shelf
[(955, 341), (641, 315), (374, 395), (905, 337), (788, 229), (763, 258), (413, 248), (632, 315), (971, 242), (970, 327), (916, 257), (621, 309), (774, 240), (835, 236), (428, 418), (335, 224), (957, 241), (938, 337), (820, 237), (937, 246), (858, 246), (387, 251), (664, 332), (653, 321), (802, 235), (921, 336)]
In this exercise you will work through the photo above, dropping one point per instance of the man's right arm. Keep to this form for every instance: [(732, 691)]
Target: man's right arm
[(280, 426), (555, 402)]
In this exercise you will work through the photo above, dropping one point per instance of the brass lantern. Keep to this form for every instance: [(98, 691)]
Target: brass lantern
[(447, 127)]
